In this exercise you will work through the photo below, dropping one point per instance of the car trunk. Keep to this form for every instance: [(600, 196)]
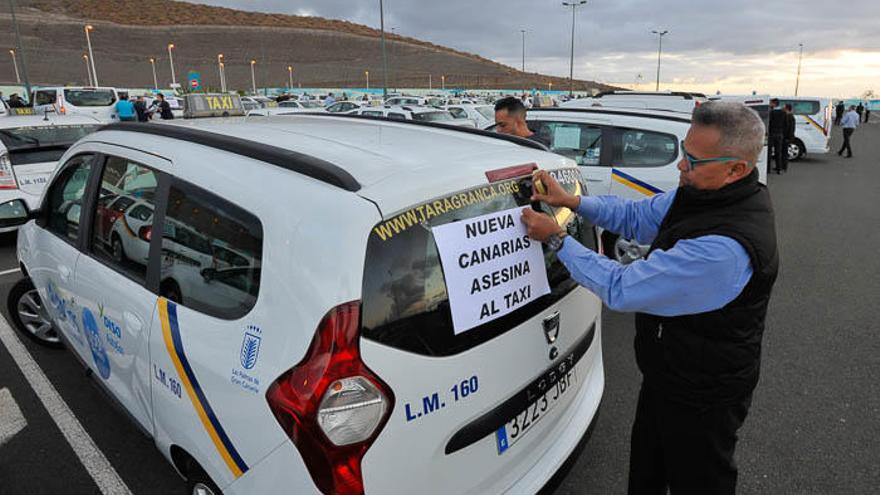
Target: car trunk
[(475, 408)]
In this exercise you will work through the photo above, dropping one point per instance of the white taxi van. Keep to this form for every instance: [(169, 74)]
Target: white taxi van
[(327, 303), (96, 102)]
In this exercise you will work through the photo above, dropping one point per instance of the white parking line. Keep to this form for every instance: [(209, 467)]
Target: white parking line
[(9, 272), (89, 455), (11, 419)]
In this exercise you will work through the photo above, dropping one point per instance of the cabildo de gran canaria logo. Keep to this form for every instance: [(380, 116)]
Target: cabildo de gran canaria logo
[(250, 347), (99, 354)]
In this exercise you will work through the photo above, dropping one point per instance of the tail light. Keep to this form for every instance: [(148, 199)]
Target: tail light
[(145, 232), (7, 175), (331, 405)]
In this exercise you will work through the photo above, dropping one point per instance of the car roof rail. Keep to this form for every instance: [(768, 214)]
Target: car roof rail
[(528, 143), (681, 94), (294, 161), (619, 111)]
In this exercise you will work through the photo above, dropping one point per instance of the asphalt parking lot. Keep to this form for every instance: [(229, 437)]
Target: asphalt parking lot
[(814, 426)]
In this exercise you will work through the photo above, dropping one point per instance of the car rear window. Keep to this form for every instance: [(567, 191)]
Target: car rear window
[(433, 116), (405, 302), (27, 137), (802, 107), (90, 97)]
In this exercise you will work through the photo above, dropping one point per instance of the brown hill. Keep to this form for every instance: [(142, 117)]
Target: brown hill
[(323, 52)]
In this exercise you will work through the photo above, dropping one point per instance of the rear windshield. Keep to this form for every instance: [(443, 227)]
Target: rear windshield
[(487, 111), (26, 137), (405, 300), (801, 107), (89, 97), (432, 116)]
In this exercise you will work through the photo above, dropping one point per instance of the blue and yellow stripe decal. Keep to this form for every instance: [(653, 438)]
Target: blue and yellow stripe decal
[(171, 334), (815, 124), (631, 182)]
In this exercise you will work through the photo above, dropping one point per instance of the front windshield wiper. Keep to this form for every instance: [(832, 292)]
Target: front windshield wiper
[(26, 139)]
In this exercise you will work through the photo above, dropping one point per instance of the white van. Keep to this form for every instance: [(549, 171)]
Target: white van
[(676, 101), (99, 103)]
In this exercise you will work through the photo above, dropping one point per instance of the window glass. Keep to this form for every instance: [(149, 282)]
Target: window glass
[(582, 143), (801, 107), (64, 200), (396, 116), (123, 222), (89, 97), (373, 113), (458, 113), (45, 97), (404, 298), (211, 253), (487, 111), (647, 149), (433, 116), (44, 135)]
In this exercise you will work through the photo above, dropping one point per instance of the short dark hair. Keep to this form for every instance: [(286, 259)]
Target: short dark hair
[(774, 101), (788, 106), (512, 104)]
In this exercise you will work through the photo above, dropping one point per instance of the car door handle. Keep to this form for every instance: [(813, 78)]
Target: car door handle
[(132, 322), (64, 272)]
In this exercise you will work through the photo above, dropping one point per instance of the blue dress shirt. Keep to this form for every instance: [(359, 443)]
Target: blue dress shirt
[(694, 276), (850, 120)]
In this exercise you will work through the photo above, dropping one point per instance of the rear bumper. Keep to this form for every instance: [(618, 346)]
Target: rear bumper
[(572, 459)]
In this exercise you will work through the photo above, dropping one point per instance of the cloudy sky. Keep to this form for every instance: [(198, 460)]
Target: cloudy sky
[(733, 47)]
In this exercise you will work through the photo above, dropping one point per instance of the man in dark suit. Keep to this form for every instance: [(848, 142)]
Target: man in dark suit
[(775, 148), (839, 110), (788, 135)]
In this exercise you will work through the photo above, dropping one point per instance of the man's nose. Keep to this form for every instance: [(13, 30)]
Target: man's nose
[(682, 165)]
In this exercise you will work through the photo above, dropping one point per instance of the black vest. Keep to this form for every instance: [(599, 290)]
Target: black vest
[(713, 357)]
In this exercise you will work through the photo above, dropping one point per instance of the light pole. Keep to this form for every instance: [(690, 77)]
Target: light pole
[(253, 77), (220, 71), (384, 56), (660, 35), (430, 86), (88, 71), (574, 5), (798, 80), (550, 86), (367, 73), (20, 51), (523, 31), (88, 28), (155, 80), (290, 78), (443, 82), (15, 64), (171, 62)]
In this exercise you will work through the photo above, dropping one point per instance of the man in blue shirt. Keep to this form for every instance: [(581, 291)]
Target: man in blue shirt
[(125, 109), (849, 123), (700, 298)]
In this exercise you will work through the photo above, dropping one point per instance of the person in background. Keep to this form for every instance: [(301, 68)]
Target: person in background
[(860, 110), (510, 118), (162, 107), (867, 113), (329, 100), (700, 297), (125, 109), (15, 101), (140, 108), (776, 133), (838, 112), (788, 135), (849, 123)]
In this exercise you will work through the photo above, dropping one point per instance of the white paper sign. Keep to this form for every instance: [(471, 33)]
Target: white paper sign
[(491, 267), (567, 137)]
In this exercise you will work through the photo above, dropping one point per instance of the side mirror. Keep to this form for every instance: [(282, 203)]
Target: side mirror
[(208, 274), (15, 213)]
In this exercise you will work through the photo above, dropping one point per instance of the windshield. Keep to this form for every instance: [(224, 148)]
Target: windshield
[(487, 111), (405, 301), (432, 116), (312, 104), (90, 97), (23, 137)]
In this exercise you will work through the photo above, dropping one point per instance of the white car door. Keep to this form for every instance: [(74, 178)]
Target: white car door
[(114, 291), (53, 266)]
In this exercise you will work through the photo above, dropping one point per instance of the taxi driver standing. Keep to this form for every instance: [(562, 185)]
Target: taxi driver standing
[(700, 298)]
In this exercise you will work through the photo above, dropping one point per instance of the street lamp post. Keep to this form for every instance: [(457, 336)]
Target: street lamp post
[(550, 86), (155, 80), (171, 62), (660, 35), (220, 71), (253, 77), (367, 73), (574, 5), (443, 82), (523, 31), (15, 65), (290, 78), (88, 71), (20, 51), (797, 82), (430, 85), (88, 28), (384, 56)]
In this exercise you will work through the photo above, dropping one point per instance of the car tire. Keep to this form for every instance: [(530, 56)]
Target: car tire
[(29, 316), (117, 249), (620, 250), (199, 483), (796, 150)]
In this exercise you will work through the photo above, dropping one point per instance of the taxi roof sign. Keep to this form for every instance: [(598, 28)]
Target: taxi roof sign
[(202, 105)]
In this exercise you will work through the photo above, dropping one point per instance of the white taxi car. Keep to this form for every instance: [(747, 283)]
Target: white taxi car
[(627, 152), (30, 146), (96, 102), (374, 307)]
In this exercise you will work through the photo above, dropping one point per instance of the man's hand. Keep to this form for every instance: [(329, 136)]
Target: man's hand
[(538, 225), (555, 194)]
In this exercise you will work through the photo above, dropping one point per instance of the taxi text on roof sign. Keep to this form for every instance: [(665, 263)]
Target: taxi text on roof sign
[(212, 105)]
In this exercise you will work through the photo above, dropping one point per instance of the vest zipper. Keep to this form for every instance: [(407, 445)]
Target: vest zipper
[(659, 331)]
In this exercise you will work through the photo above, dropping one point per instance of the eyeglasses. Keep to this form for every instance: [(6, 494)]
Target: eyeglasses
[(693, 161)]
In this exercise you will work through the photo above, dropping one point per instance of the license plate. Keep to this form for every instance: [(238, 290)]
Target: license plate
[(523, 422), (33, 180)]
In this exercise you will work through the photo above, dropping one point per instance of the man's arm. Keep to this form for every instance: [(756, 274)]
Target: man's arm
[(637, 220), (694, 276)]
